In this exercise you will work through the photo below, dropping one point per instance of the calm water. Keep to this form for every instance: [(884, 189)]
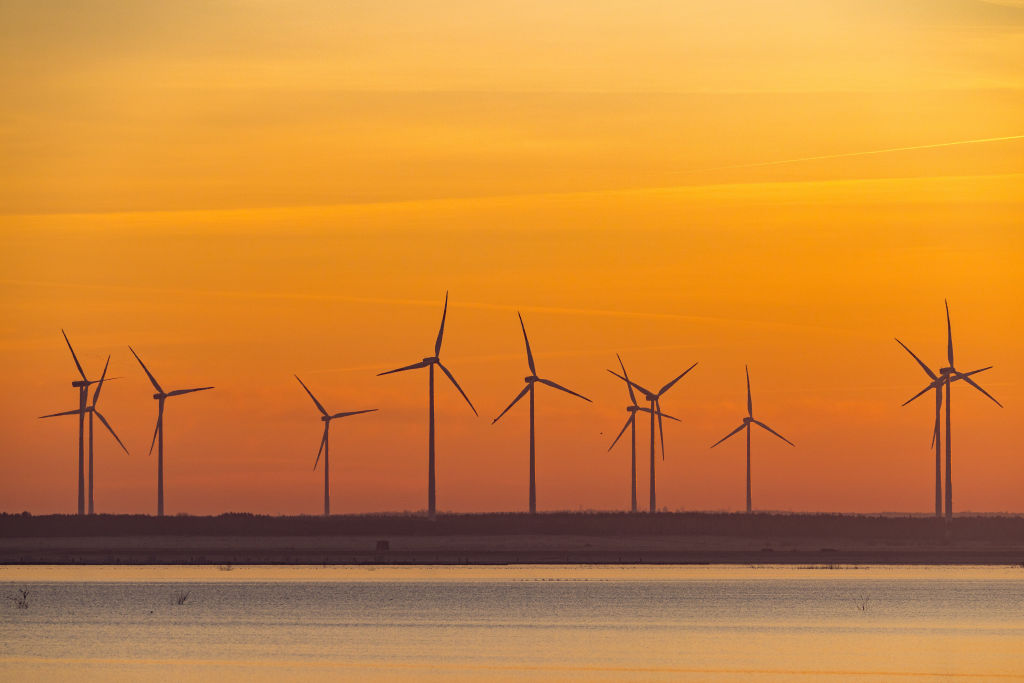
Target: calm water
[(515, 623)]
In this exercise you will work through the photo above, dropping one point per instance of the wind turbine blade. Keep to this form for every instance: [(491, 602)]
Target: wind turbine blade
[(972, 372), (762, 424), (110, 429), (937, 383), (750, 402), (179, 392), (452, 378), (77, 364), (96, 381), (323, 442), (630, 382), (76, 411), (96, 394), (733, 432), (949, 336), (661, 427), (529, 353), (514, 401), (159, 423), (669, 385), (658, 412), (561, 388), (149, 374), (440, 332), (629, 385), (919, 361), (319, 407), (353, 412), (421, 364), (629, 421), (976, 386)]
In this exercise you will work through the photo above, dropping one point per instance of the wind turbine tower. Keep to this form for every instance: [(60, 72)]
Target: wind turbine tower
[(429, 362), (747, 421), (325, 442)]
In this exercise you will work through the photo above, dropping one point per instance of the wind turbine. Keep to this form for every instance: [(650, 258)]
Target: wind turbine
[(531, 380), (747, 421), (654, 398), (632, 409), (161, 396), (324, 442), (92, 410), (429, 363), (937, 384), (83, 397), (948, 375)]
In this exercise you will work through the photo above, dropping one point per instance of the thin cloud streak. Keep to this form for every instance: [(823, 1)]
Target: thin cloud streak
[(844, 155), (484, 197), (649, 315)]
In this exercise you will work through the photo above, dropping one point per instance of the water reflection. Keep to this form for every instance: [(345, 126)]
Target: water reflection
[(516, 623)]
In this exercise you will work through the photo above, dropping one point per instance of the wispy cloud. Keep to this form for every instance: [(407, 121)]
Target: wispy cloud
[(844, 155), (432, 303)]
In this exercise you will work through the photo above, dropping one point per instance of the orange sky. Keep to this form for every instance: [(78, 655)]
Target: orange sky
[(246, 190)]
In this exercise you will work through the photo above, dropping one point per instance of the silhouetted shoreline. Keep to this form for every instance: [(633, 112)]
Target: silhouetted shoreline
[(512, 538)]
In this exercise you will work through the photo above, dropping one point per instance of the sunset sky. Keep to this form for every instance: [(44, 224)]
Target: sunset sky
[(243, 190)]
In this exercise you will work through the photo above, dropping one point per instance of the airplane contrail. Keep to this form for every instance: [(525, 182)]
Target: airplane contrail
[(841, 155)]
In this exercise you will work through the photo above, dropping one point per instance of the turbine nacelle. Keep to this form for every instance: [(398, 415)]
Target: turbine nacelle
[(431, 360), (747, 420), (531, 379), (160, 397), (947, 371)]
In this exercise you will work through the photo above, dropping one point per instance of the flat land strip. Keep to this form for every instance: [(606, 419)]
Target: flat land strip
[(585, 538)]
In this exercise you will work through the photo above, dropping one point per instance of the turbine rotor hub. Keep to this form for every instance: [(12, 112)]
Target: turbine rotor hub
[(431, 359), (947, 371), (531, 379)]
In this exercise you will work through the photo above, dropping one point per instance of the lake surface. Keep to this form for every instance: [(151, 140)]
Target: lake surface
[(670, 623)]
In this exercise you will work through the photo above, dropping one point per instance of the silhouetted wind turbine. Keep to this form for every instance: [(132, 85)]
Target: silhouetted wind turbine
[(632, 409), (91, 410), (161, 396), (747, 421), (948, 375), (655, 404), (937, 384), (83, 397), (531, 380), (429, 363), (325, 442)]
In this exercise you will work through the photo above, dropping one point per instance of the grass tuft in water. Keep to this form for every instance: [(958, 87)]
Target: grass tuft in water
[(21, 599)]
